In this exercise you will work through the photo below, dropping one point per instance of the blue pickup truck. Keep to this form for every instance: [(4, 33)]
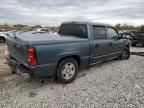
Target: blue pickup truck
[(60, 55)]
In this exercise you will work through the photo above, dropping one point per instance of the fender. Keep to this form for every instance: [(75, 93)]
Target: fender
[(126, 44)]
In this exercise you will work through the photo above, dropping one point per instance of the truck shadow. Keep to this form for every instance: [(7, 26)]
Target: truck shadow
[(85, 70)]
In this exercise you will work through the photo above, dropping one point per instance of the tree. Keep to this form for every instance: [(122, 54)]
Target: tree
[(126, 27), (118, 26)]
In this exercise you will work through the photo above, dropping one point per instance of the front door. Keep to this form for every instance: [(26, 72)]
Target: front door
[(116, 46)]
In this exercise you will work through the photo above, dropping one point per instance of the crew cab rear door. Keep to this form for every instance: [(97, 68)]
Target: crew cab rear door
[(99, 44)]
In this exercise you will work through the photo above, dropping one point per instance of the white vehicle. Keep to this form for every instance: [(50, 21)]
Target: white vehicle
[(3, 36), (42, 30)]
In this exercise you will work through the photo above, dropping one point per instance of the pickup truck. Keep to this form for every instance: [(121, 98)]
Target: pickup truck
[(60, 55)]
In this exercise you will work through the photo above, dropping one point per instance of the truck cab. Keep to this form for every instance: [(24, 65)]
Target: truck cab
[(104, 40)]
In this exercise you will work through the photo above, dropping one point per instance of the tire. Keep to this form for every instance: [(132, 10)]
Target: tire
[(133, 44), (2, 40), (67, 70), (125, 55), (13, 72)]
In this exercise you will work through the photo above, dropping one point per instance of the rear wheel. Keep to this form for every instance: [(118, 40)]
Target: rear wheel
[(125, 55), (2, 39), (67, 70)]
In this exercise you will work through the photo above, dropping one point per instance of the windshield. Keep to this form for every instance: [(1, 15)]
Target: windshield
[(78, 30)]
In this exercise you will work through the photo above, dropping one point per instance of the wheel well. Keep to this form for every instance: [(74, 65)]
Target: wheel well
[(2, 37), (76, 57), (128, 46)]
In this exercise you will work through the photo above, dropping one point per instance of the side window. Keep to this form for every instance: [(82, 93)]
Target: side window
[(112, 34), (77, 30), (99, 32)]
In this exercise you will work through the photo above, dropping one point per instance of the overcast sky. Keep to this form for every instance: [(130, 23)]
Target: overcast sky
[(56, 11)]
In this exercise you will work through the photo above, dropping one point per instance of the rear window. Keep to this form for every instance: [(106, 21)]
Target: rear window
[(77, 30), (99, 32)]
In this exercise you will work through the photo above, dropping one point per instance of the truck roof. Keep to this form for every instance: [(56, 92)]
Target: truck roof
[(84, 22)]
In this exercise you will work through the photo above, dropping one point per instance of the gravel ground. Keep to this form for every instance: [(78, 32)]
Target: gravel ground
[(2, 47), (113, 84), (137, 49), (4, 70)]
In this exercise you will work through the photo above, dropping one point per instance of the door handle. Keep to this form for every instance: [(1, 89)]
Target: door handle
[(96, 45)]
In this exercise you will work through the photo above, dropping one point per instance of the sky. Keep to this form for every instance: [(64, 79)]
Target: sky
[(53, 12)]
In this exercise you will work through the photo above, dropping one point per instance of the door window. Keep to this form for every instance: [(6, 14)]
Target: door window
[(112, 34), (99, 32), (77, 30)]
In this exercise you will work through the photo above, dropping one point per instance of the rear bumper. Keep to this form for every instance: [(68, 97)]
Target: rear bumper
[(19, 69), (27, 71), (22, 73)]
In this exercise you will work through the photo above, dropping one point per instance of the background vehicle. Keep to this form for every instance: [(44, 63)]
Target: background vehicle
[(41, 30), (138, 37), (60, 55)]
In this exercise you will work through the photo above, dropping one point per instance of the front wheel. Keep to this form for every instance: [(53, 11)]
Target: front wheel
[(133, 44), (67, 70), (125, 54)]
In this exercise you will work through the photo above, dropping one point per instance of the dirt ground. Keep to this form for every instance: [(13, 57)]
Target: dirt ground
[(4, 69), (113, 84)]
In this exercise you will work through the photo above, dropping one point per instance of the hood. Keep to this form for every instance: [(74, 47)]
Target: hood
[(46, 38)]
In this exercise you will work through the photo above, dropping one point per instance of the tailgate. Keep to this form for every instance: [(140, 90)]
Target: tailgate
[(17, 49)]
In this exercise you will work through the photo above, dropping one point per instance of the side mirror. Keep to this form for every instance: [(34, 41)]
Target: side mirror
[(120, 36)]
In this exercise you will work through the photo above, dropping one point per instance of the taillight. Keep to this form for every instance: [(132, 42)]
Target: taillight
[(31, 56)]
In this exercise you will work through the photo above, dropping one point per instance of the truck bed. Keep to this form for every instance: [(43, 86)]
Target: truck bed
[(18, 46), (31, 38)]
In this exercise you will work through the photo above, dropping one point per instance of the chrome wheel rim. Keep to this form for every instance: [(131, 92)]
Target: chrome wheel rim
[(68, 70)]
